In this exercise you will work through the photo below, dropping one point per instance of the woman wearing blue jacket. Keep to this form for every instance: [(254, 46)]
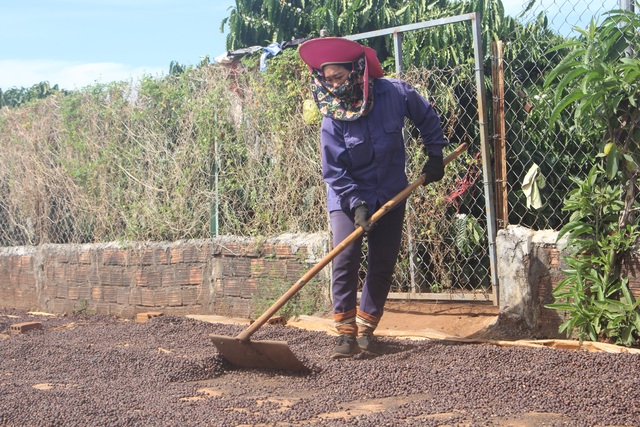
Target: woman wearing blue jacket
[(363, 164)]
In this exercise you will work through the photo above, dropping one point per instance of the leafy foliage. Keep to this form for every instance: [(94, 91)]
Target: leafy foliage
[(261, 22), (594, 294), (266, 21), (15, 97), (596, 89), (601, 80)]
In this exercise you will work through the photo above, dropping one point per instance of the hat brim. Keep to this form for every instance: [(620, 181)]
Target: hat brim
[(317, 52)]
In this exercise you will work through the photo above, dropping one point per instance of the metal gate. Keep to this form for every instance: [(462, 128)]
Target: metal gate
[(448, 250)]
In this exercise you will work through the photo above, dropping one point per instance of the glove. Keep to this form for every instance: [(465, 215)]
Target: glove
[(361, 217), (433, 169)]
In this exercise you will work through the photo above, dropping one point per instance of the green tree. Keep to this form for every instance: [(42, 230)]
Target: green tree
[(260, 22), (597, 87), (16, 97), (265, 21)]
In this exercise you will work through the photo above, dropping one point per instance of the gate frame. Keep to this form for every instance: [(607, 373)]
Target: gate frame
[(488, 180)]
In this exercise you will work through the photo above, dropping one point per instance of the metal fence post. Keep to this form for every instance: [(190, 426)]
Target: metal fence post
[(486, 156), (214, 225)]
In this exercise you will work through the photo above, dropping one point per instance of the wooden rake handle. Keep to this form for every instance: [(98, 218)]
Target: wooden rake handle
[(264, 318)]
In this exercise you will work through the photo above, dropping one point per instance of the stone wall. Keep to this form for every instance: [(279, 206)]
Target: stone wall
[(219, 276)]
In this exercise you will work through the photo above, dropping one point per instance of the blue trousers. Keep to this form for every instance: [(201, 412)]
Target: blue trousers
[(383, 247)]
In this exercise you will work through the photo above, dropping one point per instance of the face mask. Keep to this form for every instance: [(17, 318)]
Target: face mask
[(348, 101), (349, 89)]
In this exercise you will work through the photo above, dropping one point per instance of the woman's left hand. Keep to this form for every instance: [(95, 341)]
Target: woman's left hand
[(361, 218), (433, 169)]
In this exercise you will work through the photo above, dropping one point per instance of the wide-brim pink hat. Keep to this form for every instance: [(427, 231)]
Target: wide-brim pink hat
[(331, 50)]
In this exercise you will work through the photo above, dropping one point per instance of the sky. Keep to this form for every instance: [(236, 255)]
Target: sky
[(75, 43)]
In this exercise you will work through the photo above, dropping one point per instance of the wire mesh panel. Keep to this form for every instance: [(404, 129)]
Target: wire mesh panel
[(444, 253), (541, 158), (445, 250), (213, 151)]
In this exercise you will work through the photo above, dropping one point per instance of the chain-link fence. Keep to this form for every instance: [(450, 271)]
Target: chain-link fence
[(533, 161), (445, 251), (213, 151), (540, 157), (224, 150)]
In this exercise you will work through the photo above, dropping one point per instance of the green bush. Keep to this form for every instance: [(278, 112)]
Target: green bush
[(596, 88)]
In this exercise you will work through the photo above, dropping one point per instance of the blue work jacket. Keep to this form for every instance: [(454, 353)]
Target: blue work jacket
[(364, 160)]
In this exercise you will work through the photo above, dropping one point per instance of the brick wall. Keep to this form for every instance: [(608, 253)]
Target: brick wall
[(548, 321), (219, 276), (545, 285), (223, 276)]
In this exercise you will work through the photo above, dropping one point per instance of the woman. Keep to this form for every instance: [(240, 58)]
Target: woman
[(363, 164)]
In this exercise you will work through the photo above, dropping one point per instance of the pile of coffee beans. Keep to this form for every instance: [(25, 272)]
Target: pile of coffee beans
[(80, 370)]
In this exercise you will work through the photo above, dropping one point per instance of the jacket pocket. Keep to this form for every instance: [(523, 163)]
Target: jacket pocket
[(393, 126), (360, 152), (392, 135)]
